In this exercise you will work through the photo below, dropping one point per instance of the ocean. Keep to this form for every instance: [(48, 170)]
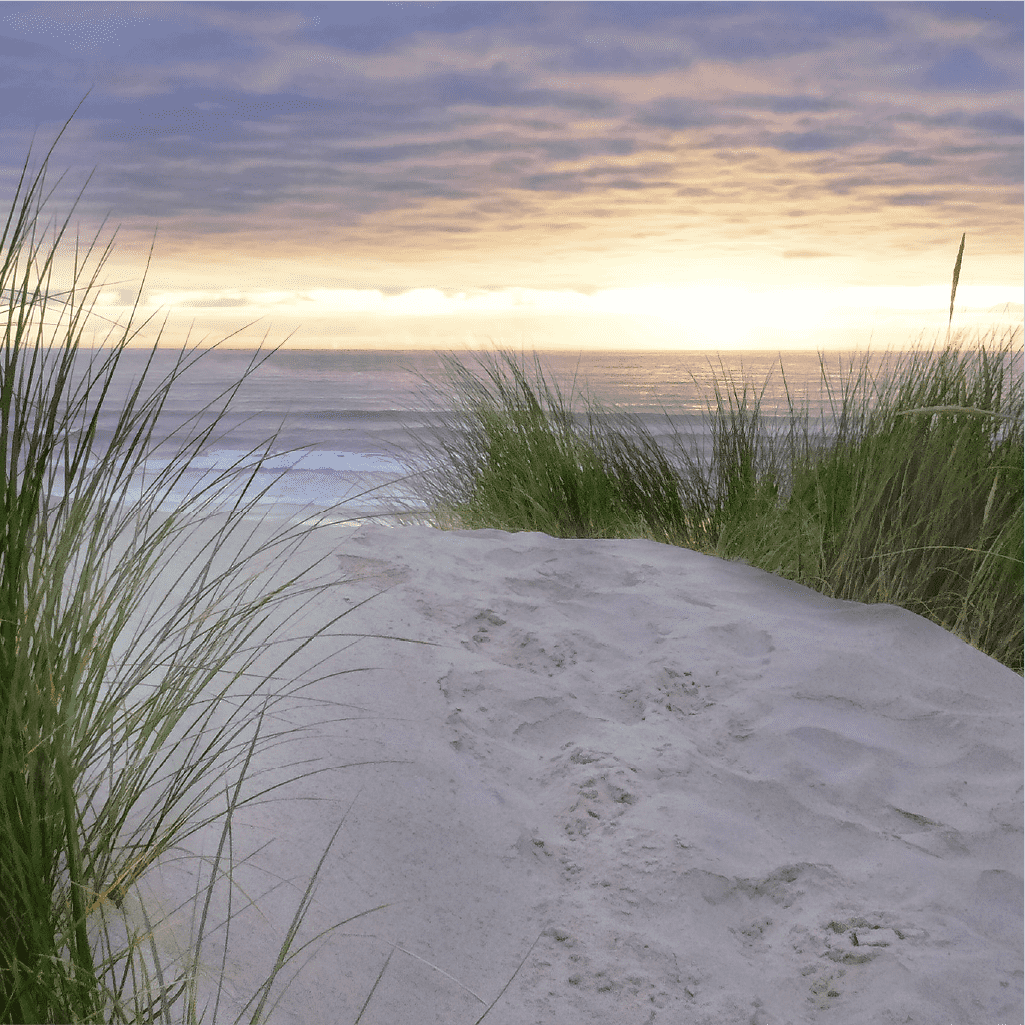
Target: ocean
[(358, 416)]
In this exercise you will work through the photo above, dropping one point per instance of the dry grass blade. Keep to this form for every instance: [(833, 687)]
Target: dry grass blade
[(957, 274)]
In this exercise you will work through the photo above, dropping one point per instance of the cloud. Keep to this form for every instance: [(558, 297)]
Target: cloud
[(469, 142)]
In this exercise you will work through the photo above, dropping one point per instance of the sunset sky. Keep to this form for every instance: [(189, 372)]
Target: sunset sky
[(556, 175)]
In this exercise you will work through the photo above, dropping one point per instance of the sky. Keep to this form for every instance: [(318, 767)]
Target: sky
[(541, 175)]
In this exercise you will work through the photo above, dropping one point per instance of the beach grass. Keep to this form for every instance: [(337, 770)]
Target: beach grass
[(148, 649), (135, 686), (912, 496)]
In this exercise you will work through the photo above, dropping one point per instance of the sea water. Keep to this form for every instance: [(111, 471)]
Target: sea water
[(345, 428)]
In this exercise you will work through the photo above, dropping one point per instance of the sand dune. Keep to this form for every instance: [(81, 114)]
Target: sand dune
[(709, 795)]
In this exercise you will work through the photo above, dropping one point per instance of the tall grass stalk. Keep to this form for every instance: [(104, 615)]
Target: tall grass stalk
[(912, 496), (134, 688), (955, 278)]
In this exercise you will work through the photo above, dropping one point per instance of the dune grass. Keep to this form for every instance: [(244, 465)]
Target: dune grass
[(912, 497), (127, 719), (136, 685)]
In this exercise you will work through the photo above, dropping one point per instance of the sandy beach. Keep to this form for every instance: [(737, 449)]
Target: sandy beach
[(658, 787)]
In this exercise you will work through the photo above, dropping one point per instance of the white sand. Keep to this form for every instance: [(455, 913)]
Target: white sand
[(709, 794)]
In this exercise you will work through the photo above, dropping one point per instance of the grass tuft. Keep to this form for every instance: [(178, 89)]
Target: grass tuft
[(128, 707), (143, 651), (912, 496)]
